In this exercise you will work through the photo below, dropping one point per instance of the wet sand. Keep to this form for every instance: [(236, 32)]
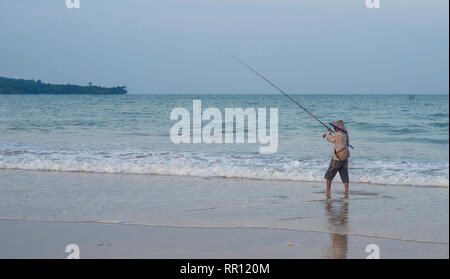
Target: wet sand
[(147, 216), (21, 239)]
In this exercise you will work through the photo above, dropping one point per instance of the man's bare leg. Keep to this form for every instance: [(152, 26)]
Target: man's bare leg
[(328, 186), (346, 190)]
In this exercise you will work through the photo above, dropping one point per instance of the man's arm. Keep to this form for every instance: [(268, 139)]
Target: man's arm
[(332, 138)]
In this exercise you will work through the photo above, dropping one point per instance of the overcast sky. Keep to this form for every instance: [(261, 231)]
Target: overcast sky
[(182, 46)]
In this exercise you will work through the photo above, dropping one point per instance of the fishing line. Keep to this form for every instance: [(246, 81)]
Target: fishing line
[(276, 87)]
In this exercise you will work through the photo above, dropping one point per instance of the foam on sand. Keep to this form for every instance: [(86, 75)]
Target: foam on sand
[(248, 166)]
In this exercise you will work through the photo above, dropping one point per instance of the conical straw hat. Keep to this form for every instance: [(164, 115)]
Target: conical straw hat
[(339, 124)]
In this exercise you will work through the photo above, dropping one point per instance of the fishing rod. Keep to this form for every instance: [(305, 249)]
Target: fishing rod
[(276, 87)]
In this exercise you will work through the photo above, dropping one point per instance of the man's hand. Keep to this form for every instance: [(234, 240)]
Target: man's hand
[(329, 129), (324, 135)]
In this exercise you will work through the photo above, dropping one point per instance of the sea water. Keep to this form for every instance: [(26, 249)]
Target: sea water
[(110, 159), (396, 140)]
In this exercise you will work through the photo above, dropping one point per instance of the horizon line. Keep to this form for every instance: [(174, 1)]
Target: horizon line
[(251, 92)]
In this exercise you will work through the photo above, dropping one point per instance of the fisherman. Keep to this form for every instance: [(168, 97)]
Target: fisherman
[(339, 160)]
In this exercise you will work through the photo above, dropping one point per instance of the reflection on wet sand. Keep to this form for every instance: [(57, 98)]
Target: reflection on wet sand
[(337, 215)]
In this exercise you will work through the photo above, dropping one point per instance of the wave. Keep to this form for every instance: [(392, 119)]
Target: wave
[(441, 141), (439, 114), (247, 166), (440, 124)]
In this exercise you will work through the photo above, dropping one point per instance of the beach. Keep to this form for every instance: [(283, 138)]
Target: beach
[(49, 239), (104, 170), (152, 216)]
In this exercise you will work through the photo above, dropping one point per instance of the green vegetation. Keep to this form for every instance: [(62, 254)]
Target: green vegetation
[(23, 86)]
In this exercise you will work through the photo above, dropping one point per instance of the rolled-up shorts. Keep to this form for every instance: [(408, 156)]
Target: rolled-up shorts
[(337, 166)]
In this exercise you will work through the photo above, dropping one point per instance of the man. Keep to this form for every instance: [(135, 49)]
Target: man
[(339, 160)]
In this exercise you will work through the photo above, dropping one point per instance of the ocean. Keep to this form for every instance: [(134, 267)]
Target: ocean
[(397, 140), (110, 159)]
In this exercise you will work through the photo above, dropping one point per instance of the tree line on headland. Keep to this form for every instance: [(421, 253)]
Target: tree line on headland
[(22, 86)]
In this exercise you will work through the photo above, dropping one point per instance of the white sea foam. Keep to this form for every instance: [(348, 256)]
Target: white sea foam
[(249, 166)]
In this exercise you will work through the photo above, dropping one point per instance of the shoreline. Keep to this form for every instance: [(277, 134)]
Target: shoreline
[(336, 181), (215, 217), (24, 239), (223, 228)]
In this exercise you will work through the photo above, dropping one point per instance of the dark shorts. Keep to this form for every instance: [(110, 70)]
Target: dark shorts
[(338, 166)]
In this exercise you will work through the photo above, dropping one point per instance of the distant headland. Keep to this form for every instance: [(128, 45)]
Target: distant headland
[(14, 86)]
